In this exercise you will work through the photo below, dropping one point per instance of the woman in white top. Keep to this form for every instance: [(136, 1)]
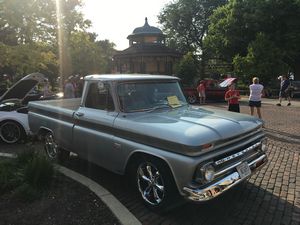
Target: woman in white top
[(256, 91)]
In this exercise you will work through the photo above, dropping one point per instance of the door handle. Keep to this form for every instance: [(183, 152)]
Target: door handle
[(79, 114)]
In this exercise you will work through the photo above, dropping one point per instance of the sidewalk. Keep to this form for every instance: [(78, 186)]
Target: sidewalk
[(270, 101)]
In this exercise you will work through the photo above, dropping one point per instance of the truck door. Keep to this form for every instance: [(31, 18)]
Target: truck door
[(93, 128)]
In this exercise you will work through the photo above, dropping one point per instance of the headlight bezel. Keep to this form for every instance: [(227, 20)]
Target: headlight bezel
[(205, 173)]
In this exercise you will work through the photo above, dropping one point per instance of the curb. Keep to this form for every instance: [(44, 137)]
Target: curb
[(124, 216), (117, 208)]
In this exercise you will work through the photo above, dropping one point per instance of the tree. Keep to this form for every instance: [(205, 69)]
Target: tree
[(187, 69), (185, 22), (260, 37), (88, 55), (23, 59), (36, 20)]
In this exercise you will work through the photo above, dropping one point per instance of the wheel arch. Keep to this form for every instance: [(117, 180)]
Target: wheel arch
[(43, 131), (143, 155)]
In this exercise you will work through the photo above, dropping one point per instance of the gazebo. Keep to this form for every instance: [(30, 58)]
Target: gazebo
[(147, 53)]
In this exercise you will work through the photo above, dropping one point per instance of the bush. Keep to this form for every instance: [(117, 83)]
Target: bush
[(26, 176), (38, 172), (8, 176)]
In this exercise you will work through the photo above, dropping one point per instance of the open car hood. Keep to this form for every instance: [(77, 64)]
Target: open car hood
[(21, 88)]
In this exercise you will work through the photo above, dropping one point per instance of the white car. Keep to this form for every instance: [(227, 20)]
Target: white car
[(13, 114)]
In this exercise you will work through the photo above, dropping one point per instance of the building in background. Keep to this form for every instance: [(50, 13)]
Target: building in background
[(147, 53)]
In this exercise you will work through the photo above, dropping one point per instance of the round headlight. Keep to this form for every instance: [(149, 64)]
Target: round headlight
[(208, 172)]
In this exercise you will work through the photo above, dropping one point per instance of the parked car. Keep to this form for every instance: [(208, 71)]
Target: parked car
[(13, 112), (295, 88), (142, 126), (213, 90)]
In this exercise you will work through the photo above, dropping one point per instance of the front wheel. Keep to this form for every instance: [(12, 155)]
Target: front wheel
[(11, 132), (155, 184)]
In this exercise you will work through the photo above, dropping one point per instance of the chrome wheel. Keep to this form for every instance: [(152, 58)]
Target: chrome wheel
[(150, 183), (50, 146), (192, 99), (10, 132)]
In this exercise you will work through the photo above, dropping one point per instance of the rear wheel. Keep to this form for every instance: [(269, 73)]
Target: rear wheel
[(53, 151), (11, 132), (155, 184)]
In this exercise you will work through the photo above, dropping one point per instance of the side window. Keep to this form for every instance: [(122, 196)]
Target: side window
[(99, 97)]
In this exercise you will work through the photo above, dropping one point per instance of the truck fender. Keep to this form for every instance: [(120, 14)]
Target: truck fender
[(142, 154)]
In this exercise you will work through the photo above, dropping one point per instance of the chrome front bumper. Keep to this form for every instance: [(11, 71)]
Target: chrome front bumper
[(219, 187)]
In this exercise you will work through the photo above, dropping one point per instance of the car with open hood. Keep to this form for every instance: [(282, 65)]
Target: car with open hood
[(13, 109)]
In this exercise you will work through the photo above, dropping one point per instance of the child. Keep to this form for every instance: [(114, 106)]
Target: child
[(233, 96)]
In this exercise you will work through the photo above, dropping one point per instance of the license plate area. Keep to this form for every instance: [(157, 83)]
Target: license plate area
[(243, 170)]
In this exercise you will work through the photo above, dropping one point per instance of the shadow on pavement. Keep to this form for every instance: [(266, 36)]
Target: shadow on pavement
[(245, 204)]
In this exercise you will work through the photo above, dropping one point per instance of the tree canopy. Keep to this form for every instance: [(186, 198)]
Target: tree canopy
[(260, 37), (185, 22), (38, 35)]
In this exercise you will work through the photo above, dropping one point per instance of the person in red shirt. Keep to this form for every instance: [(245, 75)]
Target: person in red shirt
[(233, 96), (201, 91)]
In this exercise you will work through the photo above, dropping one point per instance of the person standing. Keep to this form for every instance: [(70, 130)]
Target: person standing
[(284, 90), (233, 96), (256, 91), (69, 90), (201, 91), (46, 89)]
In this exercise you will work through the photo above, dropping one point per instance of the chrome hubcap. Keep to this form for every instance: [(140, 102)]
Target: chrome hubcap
[(10, 132), (150, 183), (50, 146), (192, 99)]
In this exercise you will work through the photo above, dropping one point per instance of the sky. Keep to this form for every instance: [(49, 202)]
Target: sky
[(116, 19)]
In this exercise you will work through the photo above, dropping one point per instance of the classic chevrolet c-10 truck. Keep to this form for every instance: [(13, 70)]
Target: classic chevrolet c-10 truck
[(142, 126)]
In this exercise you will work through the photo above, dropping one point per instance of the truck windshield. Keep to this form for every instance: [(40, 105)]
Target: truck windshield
[(143, 96)]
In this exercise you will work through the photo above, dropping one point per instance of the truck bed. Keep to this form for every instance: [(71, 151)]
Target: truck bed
[(70, 104)]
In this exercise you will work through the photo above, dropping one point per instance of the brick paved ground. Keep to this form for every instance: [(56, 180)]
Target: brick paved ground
[(271, 196)]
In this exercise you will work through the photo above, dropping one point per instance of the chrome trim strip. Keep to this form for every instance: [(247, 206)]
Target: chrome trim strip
[(219, 187), (232, 166), (228, 158)]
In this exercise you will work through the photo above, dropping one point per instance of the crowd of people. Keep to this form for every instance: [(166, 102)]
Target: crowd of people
[(256, 92), (73, 87)]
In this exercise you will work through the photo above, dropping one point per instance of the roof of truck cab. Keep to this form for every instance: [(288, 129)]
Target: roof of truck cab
[(123, 77)]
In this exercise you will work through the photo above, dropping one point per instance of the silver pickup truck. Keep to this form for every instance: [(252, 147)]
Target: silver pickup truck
[(142, 126)]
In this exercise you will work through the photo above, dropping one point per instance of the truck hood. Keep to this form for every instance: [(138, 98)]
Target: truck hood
[(185, 130), (21, 89)]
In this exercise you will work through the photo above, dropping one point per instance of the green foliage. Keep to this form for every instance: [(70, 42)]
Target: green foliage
[(263, 59), (38, 172), (260, 37), (187, 69), (9, 177), (89, 56), (185, 22), (26, 176), (27, 58), (31, 40)]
